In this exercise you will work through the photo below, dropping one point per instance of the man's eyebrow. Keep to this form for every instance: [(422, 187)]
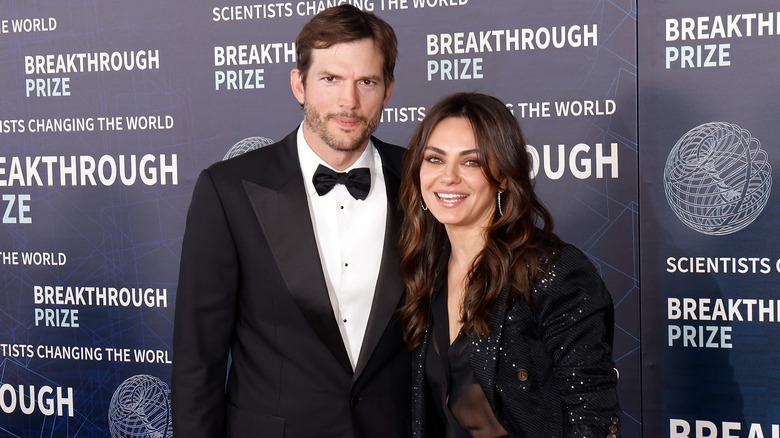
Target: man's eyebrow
[(375, 78), (326, 73)]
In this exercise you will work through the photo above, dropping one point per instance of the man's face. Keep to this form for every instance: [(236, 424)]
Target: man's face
[(342, 98)]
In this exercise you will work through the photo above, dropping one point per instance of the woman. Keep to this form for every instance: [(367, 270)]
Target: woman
[(512, 329)]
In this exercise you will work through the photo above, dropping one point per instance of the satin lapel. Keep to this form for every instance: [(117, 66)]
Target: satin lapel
[(283, 214), (389, 286)]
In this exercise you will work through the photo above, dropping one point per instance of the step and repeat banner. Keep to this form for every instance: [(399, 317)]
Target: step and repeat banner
[(109, 110), (709, 105)]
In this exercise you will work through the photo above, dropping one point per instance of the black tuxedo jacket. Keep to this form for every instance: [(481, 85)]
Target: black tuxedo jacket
[(251, 285), (546, 371)]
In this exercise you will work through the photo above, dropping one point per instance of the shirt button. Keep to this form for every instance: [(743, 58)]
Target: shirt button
[(354, 401), (522, 375)]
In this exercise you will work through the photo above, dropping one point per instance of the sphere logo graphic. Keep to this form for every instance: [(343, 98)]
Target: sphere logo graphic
[(246, 145), (141, 408), (717, 178)]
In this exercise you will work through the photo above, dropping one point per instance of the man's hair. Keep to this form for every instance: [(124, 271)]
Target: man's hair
[(345, 24)]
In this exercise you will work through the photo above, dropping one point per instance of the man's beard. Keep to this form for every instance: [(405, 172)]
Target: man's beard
[(319, 125)]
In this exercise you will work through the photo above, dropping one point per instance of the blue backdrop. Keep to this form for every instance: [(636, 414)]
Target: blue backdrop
[(708, 130), (109, 110)]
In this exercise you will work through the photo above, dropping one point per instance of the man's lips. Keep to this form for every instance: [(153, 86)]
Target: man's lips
[(347, 121)]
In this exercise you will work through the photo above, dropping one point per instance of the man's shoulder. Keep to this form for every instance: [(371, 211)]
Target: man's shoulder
[(392, 155), (387, 147), (269, 165), (271, 155)]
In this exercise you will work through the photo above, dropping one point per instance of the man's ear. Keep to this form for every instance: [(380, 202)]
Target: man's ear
[(296, 83), (388, 92)]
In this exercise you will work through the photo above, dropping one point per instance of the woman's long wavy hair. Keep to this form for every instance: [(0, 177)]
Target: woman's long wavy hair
[(511, 253)]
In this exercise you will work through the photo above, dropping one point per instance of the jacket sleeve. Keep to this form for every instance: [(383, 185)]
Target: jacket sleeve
[(576, 317), (204, 316)]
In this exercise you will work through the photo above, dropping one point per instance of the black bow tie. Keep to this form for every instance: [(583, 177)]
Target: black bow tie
[(357, 181)]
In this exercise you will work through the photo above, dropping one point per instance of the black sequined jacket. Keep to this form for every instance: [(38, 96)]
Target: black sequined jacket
[(546, 372)]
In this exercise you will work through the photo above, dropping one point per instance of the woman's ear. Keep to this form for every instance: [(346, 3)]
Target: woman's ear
[(501, 184)]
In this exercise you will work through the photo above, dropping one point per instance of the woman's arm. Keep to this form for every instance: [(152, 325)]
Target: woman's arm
[(576, 315)]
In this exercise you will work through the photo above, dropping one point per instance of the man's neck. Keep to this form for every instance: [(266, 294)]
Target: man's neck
[(337, 159)]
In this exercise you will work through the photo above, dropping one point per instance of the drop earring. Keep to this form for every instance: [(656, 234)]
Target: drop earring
[(500, 212)]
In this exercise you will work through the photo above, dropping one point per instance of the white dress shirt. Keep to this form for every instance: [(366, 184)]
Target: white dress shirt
[(350, 238)]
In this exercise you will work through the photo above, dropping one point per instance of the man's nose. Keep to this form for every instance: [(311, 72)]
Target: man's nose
[(348, 96)]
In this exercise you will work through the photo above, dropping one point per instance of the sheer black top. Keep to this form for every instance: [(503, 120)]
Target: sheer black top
[(456, 396)]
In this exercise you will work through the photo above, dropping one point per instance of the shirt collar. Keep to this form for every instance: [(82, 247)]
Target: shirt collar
[(309, 161)]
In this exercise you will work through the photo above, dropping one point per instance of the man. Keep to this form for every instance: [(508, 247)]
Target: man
[(292, 271)]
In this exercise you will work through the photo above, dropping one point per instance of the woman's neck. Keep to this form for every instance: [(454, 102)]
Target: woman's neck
[(465, 246), (464, 249)]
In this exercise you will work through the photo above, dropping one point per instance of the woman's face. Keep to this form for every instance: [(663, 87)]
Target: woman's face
[(452, 181)]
